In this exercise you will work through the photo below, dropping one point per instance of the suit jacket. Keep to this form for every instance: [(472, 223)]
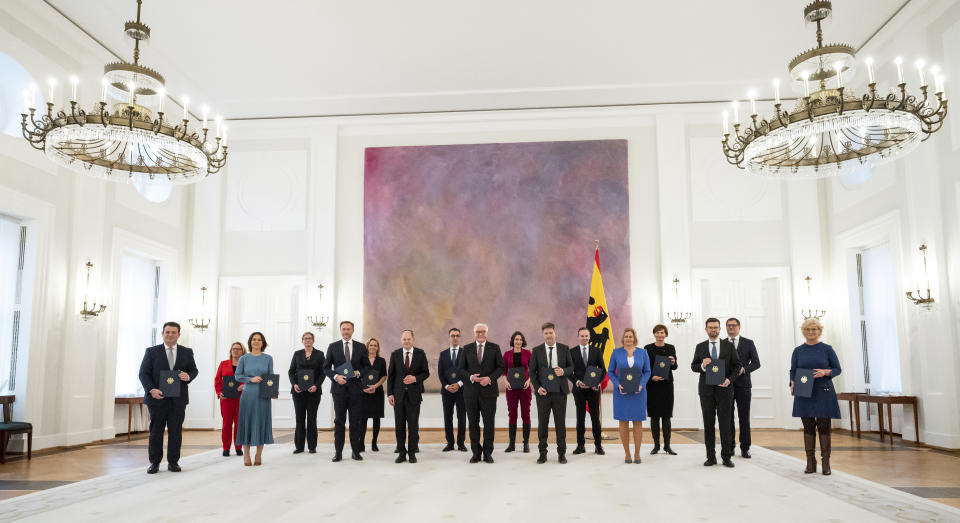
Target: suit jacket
[(561, 359), (726, 353), (418, 369), (445, 364), (225, 369), (491, 367), (154, 361), (315, 363), (594, 358), (335, 357), (747, 353)]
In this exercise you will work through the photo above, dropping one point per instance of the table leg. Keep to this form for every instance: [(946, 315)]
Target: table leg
[(880, 416), (850, 405), (129, 418), (916, 423), (856, 410), (890, 420)]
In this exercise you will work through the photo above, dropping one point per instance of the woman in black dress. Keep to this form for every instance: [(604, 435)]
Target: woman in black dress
[(660, 390), (306, 402), (372, 406)]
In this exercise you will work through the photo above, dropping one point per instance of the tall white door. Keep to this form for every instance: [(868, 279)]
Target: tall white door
[(272, 305)]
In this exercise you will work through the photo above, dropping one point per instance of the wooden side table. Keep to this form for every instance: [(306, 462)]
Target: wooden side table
[(129, 401)]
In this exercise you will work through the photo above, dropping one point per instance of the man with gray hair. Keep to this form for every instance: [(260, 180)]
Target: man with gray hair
[(482, 363)]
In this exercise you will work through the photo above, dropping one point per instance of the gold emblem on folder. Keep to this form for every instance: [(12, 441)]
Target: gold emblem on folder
[(516, 374), (230, 383), (170, 381), (803, 379), (715, 368), (550, 377), (269, 383), (629, 377), (306, 377), (663, 364), (453, 374), (593, 374), (369, 377), (346, 372)]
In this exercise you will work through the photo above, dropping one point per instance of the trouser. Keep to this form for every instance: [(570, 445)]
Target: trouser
[(169, 416), (346, 406), (716, 406), (481, 407), (230, 412), (454, 402), (406, 413), (741, 403), (305, 407), (582, 398), (655, 422), (519, 398), (555, 402), (376, 430)]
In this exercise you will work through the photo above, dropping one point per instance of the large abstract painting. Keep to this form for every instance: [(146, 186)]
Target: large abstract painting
[(501, 233)]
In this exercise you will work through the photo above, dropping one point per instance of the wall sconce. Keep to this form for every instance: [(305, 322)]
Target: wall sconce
[(202, 322), (679, 314), (809, 309), (318, 321), (925, 303), (90, 310)]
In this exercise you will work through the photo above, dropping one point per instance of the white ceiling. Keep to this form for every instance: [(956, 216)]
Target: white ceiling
[(249, 58)]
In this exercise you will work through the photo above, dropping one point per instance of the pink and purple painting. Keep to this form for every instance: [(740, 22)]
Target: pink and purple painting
[(501, 233)]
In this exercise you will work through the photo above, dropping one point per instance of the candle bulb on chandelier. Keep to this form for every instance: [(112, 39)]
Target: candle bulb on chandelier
[(899, 62), (838, 67), (726, 123), (806, 83), (73, 87), (103, 90), (133, 92), (753, 102), (870, 69), (162, 93), (33, 95), (26, 100), (736, 113), (205, 110), (224, 136), (219, 123), (776, 90), (186, 101), (919, 64), (51, 82)]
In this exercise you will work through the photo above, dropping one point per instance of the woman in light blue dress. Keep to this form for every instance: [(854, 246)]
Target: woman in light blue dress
[(630, 407), (256, 421)]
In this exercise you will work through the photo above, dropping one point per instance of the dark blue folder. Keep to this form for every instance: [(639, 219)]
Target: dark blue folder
[(803, 383)]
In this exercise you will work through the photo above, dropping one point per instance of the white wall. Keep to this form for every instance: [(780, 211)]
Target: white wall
[(289, 205)]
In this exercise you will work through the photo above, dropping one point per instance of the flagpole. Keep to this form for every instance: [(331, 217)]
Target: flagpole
[(603, 435)]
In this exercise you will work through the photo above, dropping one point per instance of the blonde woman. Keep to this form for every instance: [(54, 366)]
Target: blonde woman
[(630, 407), (229, 407), (816, 411)]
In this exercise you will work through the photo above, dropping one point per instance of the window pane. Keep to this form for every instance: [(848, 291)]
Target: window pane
[(136, 313), (9, 267)]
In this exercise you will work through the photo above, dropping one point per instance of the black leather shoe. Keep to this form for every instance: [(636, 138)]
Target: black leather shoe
[(337, 457), (462, 448), (448, 448), (669, 450), (656, 449), (374, 447), (579, 450), (599, 451), (710, 462), (474, 459), (400, 458), (356, 456), (562, 459), (542, 459), (154, 468), (396, 450), (727, 463), (488, 459), (239, 452), (297, 451), (313, 451), (226, 453), (745, 454), (413, 458), (173, 467)]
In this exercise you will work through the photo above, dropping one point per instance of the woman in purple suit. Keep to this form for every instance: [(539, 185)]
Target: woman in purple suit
[(518, 356), (629, 407), (817, 411)]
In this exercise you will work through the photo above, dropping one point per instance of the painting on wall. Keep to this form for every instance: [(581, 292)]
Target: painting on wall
[(500, 233)]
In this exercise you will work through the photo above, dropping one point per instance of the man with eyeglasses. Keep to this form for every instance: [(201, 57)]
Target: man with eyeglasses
[(451, 392)]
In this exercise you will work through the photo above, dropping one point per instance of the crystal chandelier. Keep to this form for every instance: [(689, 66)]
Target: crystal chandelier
[(679, 314), (831, 130), (128, 143)]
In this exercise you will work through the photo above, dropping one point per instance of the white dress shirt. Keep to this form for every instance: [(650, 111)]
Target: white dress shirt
[(453, 357)]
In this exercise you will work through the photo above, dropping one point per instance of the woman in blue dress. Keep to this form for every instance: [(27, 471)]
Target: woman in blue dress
[(630, 407), (256, 421), (816, 411)]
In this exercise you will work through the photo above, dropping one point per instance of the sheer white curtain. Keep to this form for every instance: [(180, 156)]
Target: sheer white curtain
[(137, 316), (9, 265), (879, 310)]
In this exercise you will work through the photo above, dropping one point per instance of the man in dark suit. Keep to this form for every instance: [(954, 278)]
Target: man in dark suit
[(551, 361), (716, 401), (408, 371), (743, 385), (347, 393), (483, 364), (452, 392), (166, 412), (584, 356)]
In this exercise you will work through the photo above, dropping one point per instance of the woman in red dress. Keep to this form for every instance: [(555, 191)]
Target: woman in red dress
[(229, 407)]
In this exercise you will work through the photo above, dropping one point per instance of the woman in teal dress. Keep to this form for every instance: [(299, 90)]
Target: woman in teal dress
[(630, 407), (256, 421)]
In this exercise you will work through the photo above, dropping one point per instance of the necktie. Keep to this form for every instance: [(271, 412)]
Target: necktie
[(346, 350), (584, 349), (550, 358), (733, 342), (170, 359), (453, 355), (479, 353), (406, 359), (713, 350)]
